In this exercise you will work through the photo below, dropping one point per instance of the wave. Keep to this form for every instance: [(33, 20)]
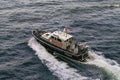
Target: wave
[(59, 68), (64, 72), (110, 66)]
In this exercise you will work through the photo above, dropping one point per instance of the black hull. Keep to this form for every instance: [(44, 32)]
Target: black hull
[(54, 49)]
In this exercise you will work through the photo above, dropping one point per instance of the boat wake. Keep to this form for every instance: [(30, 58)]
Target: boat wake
[(110, 66), (59, 68), (64, 72)]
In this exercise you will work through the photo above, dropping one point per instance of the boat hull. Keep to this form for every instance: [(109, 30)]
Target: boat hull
[(54, 49)]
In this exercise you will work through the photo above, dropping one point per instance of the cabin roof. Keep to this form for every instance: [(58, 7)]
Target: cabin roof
[(62, 35)]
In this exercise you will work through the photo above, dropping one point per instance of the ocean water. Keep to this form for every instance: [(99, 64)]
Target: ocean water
[(94, 22)]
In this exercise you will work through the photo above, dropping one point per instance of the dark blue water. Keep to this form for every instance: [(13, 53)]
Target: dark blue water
[(92, 21)]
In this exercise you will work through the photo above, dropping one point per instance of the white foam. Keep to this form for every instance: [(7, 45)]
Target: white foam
[(59, 68), (108, 65)]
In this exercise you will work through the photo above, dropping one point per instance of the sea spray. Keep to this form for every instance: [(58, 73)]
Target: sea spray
[(110, 66), (59, 68)]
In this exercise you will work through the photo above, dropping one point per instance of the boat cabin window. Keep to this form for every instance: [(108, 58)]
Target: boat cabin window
[(52, 37), (47, 34), (70, 40), (59, 40)]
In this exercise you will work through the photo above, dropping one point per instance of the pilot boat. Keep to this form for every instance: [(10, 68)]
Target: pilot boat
[(62, 43)]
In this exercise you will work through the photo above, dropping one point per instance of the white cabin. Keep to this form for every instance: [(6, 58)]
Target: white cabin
[(62, 35), (62, 40), (58, 34)]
